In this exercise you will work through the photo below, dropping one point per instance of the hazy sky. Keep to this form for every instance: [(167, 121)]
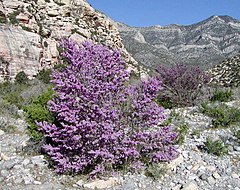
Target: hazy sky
[(164, 12)]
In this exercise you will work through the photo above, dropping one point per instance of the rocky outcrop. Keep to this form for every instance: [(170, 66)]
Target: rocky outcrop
[(227, 73), (30, 30), (204, 44)]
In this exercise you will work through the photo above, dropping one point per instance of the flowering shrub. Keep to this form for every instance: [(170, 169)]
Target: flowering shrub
[(103, 123), (182, 84)]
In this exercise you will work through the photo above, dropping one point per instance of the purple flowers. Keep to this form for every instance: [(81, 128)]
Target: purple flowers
[(182, 84), (102, 122)]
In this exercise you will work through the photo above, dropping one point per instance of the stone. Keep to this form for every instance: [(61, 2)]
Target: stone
[(1, 132), (11, 4), (41, 2), (174, 163), (39, 161), (234, 175), (101, 184), (190, 186), (21, 54), (25, 162), (216, 175), (4, 173), (3, 157), (195, 167), (78, 38), (63, 2), (23, 17), (177, 187), (52, 13), (211, 168), (80, 183), (204, 176), (37, 183), (211, 180), (53, 49)]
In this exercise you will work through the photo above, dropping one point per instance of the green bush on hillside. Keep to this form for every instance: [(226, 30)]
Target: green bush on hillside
[(37, 111), (223, 116), (21, 78), (222, 96)]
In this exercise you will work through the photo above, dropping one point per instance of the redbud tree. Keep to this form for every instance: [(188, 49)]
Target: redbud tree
[(183, 85), (102, 123)]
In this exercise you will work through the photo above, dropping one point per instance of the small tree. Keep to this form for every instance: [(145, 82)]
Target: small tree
[(182, 84), (103, 123)]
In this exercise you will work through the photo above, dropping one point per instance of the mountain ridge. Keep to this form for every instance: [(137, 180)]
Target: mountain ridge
[(205, 43)]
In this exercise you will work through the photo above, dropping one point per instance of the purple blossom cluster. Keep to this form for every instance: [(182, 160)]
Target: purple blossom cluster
[(182, 84), (102, 122)]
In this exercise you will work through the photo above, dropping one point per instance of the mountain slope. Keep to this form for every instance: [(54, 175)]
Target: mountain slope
[(204, 44)]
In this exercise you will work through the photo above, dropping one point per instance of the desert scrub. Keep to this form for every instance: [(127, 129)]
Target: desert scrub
[(12, 17), (44, 75), (156, 170), (36, 112), (103, 123), (215, 147), (222, 95), (21, 78), (223, 116), (182, 130)]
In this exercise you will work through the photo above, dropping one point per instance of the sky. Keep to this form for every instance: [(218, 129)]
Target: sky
[(164, 12)]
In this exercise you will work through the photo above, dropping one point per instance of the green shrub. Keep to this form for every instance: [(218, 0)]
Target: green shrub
[(7, 108), (3, 19), (5, 87), (10, 129), (156, 170), (223, 116), (215, 147), (222, 96), (26, 28), (21, 78), (14, 98), (12, 17), (182, 130), (36, 112), (164, 102), (44, 75)]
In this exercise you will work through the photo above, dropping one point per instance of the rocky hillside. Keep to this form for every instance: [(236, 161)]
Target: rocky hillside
[(204, 44), (227, 73), (30, 30)]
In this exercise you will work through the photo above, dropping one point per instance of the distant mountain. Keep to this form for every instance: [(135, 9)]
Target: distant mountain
[(205, 43)]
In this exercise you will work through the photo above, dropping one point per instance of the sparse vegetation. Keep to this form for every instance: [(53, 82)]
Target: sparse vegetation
[(156, 170), (222, 96), (215, 147), (26, 28), (44, 75), (223, 116), (182, 130), (21, 78), (12, 17)]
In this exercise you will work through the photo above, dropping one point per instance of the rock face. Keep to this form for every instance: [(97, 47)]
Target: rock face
[(204, 44), (19, 50), (227, 73), (30, 30)]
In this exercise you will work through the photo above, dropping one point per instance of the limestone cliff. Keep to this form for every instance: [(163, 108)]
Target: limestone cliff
[(30, 30)]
